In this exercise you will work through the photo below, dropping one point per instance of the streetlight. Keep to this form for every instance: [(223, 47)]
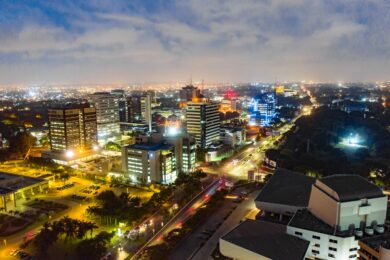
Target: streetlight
[(69, 154)]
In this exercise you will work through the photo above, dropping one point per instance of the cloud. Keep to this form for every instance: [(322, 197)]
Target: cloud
[(216, 40)]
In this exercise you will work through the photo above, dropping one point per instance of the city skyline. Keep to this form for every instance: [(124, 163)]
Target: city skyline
[(160, 41)]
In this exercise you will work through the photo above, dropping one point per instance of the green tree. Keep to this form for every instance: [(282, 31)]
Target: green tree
[(21, 143), (200, 154), (94, 248)]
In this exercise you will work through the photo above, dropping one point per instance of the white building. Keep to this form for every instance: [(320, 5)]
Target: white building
[(332, 214), (232, 136), (107, 115), (150, 162)]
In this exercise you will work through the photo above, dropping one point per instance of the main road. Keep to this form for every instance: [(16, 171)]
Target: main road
[(182, 215)]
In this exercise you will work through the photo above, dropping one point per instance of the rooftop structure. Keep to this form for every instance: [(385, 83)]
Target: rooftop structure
[(262, 240), (13, 186), (347, 187), (285, 193)]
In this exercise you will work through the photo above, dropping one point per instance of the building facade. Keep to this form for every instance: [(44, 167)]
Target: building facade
[(150, 162), (203, 122), (123, 106), (72, 128), (107, 115), (263, 109), (233, 136), (146, 110), (188, 93)]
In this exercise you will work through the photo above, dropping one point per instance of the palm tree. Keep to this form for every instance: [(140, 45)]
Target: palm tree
[(91, 226), (70, 227)]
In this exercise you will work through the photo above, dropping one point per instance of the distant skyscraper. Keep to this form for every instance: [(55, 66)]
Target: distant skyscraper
[(203, 122), (146, 110), (72, 128), (122, 103), (263, 108), (107, 113)]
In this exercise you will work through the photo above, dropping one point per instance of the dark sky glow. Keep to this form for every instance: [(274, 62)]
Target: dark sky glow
[(218, 40)]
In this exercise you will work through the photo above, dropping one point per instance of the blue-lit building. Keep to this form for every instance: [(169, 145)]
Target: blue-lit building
[(263, 110)]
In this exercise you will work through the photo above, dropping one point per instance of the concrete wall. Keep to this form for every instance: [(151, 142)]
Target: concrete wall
[(342, 246), (323, 207)]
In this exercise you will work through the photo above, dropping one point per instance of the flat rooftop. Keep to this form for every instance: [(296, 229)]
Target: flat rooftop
[(10, 182), (351, 187), (287, 188), (267, 239), (150, 146)]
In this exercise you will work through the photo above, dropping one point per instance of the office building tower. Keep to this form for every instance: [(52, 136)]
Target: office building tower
[(185, 150), (72, 128), (188, 163), (203, 122), (107, 114), (134, 109), (153, 96), (122, 103), (146, 111), (188, 93), (150, 162), (263, 109)]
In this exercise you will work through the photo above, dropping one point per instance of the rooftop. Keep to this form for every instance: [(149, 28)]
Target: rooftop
[(375, 242), (267, 239), (150, 146), (304, 219), (351, 187), (10, 182), (287, 188), (4, 191)]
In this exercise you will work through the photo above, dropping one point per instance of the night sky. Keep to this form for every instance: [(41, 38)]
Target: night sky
[(152, 40)]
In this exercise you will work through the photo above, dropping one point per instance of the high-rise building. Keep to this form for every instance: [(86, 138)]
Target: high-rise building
[(72, 128), (122, 103), (188, 154), (107, 114), (263, 109), (146, 110), (189, 92), (203, 122), (134, 109), (150, 162), (185, 150)]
